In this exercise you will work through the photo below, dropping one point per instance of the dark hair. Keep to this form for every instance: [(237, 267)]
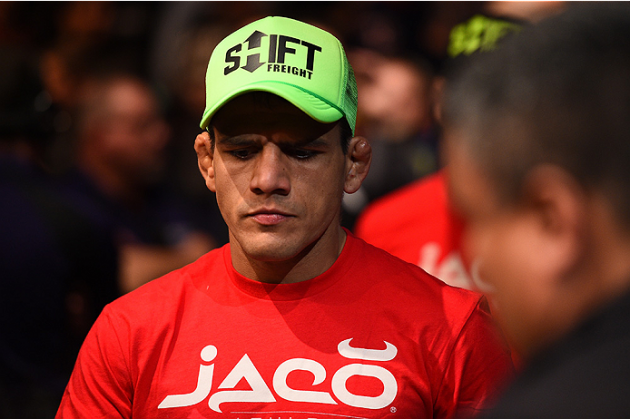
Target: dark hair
[(559, 93), (346, 134)]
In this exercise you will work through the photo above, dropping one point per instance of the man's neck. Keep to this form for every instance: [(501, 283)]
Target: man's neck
[(314, 260)]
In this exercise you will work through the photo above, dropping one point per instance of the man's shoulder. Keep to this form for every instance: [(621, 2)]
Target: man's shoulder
[(165, 293), (583, 386), (408, 278), (583, 375), (421, 304)]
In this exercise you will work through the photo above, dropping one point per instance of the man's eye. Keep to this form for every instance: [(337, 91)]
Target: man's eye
[(241, 153), (303, 154)]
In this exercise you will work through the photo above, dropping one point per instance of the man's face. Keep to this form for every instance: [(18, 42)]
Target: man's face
[(133, 134), (279, 180), (506, 242)]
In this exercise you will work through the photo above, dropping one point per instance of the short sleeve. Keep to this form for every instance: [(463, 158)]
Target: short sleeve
[(100, 385), (479, 367)]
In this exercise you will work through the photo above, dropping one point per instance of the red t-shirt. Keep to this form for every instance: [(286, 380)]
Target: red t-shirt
[(372, 337), (416, 224)]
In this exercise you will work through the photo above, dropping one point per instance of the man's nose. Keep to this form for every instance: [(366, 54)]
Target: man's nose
[(271, 174)]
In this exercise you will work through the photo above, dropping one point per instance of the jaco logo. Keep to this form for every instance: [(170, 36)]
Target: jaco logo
[(260, 391)]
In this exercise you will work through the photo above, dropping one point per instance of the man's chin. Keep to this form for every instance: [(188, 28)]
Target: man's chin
[(275, 245), (273, 254)]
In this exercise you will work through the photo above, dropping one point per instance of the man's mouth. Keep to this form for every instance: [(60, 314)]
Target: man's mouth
[(270, 217)]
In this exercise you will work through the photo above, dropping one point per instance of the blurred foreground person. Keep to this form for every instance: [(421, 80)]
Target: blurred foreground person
[(538, 144), (295, 317)]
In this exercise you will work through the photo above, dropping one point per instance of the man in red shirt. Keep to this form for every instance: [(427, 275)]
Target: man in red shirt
[(295, 317), (416, 222)]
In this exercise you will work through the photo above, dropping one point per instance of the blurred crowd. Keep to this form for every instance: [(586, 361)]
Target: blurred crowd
[(99, 185), (396, 50)]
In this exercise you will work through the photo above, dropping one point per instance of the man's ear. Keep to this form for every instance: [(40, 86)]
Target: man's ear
[(560, 207), (358, 160), (205, 158)]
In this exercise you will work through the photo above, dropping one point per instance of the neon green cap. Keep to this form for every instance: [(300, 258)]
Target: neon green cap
[(301, 63)]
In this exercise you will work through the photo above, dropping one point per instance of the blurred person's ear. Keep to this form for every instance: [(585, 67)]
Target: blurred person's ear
[(558, 206), (358, 159), (205, 157)]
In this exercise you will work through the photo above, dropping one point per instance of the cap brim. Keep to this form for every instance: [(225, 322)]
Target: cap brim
[(313, 106)]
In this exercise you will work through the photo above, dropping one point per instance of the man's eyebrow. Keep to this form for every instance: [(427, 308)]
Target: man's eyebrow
[(312, 142), (237, 140), (247, 140)]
